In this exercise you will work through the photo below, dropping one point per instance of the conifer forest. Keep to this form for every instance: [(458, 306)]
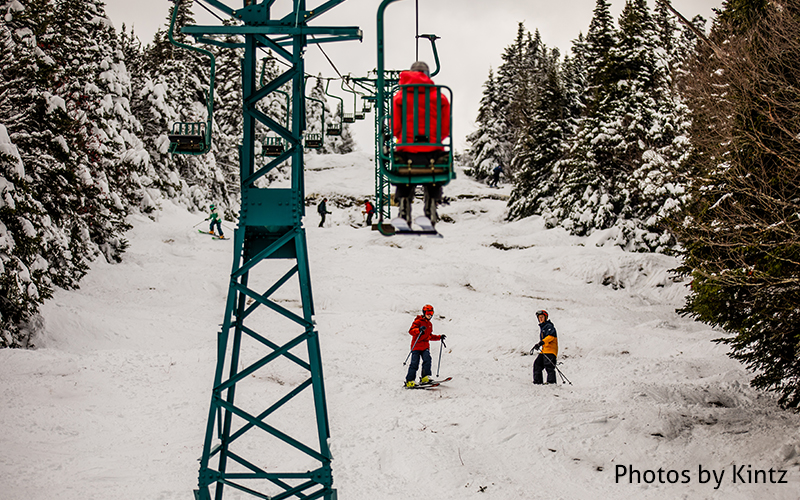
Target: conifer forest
[(669, 135)]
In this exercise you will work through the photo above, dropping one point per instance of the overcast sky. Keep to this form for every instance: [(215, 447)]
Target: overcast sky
[(473, 34)]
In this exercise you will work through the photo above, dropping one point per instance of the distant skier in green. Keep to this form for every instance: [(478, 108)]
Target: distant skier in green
[(215, 220)]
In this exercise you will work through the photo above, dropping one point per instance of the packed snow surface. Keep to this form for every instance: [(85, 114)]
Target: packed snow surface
[(114, 402)]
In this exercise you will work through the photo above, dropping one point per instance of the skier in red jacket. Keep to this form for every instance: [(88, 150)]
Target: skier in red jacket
[(419, 74), (421, 332)]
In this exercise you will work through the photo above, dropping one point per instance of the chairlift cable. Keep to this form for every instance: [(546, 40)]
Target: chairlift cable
[(416, 34), (210, 11), (332, 65)]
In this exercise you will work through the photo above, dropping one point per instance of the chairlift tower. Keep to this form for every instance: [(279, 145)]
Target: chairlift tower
[(267, 432)]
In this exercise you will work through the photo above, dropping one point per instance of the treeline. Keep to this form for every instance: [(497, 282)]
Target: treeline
[(670, 143), (84, 117), (594, 140)]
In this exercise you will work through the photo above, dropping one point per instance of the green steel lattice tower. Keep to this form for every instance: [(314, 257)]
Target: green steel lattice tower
[(267, 431)]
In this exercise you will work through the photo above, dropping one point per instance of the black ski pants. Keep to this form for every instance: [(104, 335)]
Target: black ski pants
[(426, 364), (544, 362)]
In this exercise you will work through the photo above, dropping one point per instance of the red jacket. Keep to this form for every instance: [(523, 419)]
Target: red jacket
[(411, 78), (427, 336)]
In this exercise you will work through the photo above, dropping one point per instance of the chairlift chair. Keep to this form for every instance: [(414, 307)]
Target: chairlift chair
[(423, 129), (273, 146), (313, 141), (192, 138), (335, 128), (188, 138)]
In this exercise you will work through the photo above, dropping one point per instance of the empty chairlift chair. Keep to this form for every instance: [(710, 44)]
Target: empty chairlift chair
[(188, 138), (273, 146)]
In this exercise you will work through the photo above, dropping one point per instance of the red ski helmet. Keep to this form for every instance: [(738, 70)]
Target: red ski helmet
[(542, 312), (427, 308)]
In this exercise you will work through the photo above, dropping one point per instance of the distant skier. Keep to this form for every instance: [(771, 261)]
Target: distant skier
[(548, 343), (322, 209), (215, 220), (421, 332), (496, 176), (369, 209)]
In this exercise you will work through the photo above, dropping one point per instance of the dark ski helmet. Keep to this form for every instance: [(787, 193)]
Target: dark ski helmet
[(422, 67), (427, 308), (542, 312), (213, 206)]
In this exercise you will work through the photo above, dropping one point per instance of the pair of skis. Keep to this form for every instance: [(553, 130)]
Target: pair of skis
[(401, 227), (215, 236), (431, 384)]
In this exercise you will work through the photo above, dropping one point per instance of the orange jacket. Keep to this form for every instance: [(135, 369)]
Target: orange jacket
[(411, 78), (549, 337)]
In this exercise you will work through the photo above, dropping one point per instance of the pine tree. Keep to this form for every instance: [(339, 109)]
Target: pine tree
[(178, 90), (228, 125), (741, 231), (485, 152), (541, 146), (513, 95), (56, 218), (338, 144), (108, 155), (587, 196), (315, 122), (24, 278), (621, 170)]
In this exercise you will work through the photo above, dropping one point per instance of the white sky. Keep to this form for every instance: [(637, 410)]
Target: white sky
[(473, 35)]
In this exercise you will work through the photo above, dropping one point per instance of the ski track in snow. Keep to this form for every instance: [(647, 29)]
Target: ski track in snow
[(114, 402)]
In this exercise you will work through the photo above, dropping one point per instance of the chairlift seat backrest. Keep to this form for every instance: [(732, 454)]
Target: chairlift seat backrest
[(420, 119), (423, 124), (187, 137), (314, 141), (273, 146)]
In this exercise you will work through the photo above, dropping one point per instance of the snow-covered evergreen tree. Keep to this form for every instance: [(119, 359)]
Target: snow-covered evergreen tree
[(65, 109), (484, 152), (513, 98), (338, 144), (228, 124), (741, 230), (25, 280), (541, 144), (622, 167), (315, 109), (177, 90), (96, 88), (586, 178)]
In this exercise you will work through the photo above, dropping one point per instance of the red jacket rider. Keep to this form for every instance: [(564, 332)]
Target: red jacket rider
[(411, 78), (421, 342)]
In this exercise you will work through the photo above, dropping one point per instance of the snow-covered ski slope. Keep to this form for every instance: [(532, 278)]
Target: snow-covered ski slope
[(113, 405)]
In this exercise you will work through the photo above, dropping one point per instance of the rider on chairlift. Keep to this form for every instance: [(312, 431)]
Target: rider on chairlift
[(423, 155)]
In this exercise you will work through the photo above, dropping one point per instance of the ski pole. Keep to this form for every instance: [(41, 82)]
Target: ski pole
[(563, 378), (199, 223), (413, 346), (440, 357)]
